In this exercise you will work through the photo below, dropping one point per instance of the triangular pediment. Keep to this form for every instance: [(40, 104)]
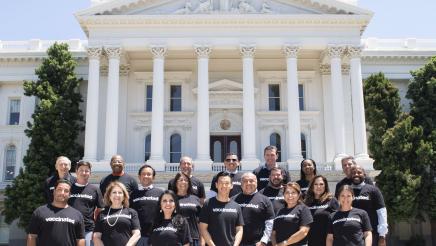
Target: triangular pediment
[(216, 7), (223, 85)]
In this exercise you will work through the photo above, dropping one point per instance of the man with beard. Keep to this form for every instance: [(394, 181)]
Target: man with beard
[(186, 166), (347, 162), (62, 166), (369, 198), (274, 189), (262, 172), (118, 174), (56, 223), (231, 163), (257, 212)]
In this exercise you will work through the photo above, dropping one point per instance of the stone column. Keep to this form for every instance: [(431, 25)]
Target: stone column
[(335, 54), (91, 127), (294, 130), (203, 161), (157, 110), (249, 159), (112, 101)]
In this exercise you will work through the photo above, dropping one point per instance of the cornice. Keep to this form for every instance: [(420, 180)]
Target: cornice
[(35, 56), (396, 59)]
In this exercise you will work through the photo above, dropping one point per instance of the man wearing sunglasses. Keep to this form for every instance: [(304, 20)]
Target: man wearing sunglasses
[(231, 163)]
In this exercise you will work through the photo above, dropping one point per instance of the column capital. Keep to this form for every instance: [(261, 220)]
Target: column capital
[(124, 69), (158, 51), (247, 51), (354, 51), (113, 52), (202, 51), (324, 69), (335, 51), (291, 51), (94, 52)]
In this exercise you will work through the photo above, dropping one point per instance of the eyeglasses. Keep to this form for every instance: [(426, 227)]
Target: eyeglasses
[(231, 160)]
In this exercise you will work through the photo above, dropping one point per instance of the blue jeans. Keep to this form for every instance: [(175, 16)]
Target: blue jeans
[(88, 238)]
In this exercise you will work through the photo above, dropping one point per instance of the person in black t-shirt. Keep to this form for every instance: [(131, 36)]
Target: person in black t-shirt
[(321, 204), (257, 212), (221, 219), (186, 167), (347, 162), (117, 224), (262, 172), (292, 223), (62, 166), (169, 227), (190, 205), (118, 174), (86, 198), (369, 198), (57, 223), (307, 172), (274, 189), (145, 200), (349, 226), (231, 164)]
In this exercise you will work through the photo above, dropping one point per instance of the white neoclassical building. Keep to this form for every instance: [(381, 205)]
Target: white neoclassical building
[(165, 78)]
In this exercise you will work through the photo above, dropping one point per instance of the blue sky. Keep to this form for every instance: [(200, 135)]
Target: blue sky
[(54, 19)]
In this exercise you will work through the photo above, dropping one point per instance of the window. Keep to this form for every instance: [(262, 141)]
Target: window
[(148, 98), (274, 140), (14, 111), (274, 97), (303, 146), (10, 162), (176, 98), (175, 148), (147, 147), (217, 151), (301, 97)]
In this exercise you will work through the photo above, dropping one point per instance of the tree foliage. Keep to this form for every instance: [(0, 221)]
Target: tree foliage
[(53, 131)]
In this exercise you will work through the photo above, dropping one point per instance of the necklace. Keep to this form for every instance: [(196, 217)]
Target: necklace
[(116, 220)]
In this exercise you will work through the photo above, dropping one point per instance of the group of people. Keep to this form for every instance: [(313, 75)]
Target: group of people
[(262, 207)]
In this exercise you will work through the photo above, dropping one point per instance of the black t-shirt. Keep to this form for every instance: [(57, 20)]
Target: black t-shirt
[(256, 209), (166, 234), (289, 220), (197, 187), (304, 185), (262, 173), (370, 199), (236, 181), (125, 179), (190, 208), (118, 232), (222, 219), (320, 213), (275, 196), (50, 183), (57, 226), (347, 181), (146, 204), (348, 227), (86, 199)]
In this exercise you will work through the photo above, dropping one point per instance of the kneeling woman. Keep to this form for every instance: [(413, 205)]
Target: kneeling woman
[(169, 227), (292, 222), (349, 226)]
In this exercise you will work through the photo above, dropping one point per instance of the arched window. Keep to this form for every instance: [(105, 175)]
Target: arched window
[(10, 162), (303, 146), (147, 147), (175, 148), (275, 140), (217, 153)]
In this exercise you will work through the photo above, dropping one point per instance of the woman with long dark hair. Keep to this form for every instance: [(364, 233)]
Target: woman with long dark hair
[(307, 173)]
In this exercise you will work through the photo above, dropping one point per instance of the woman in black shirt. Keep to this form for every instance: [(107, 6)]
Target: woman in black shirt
[(307, 173)]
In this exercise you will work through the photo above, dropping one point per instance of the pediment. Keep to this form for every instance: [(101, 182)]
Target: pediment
[(223, 85), (217, 7)]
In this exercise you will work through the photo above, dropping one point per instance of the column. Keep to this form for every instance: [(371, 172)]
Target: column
[(91, 127), (294, 129), (157, 110), (112, 100), (335, 54), (249, 159), (203, 161)]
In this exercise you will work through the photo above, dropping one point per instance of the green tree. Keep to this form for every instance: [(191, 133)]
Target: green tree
[(56, 124)]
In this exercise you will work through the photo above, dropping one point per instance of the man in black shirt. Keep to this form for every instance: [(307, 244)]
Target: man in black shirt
[(86, 198), (262, 172), (221, 221), (186, 167), (231, 163), (57, 223), (118, 174), (347, 162), (257, 212), (145, 200), (274, 189), (62, 166)]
